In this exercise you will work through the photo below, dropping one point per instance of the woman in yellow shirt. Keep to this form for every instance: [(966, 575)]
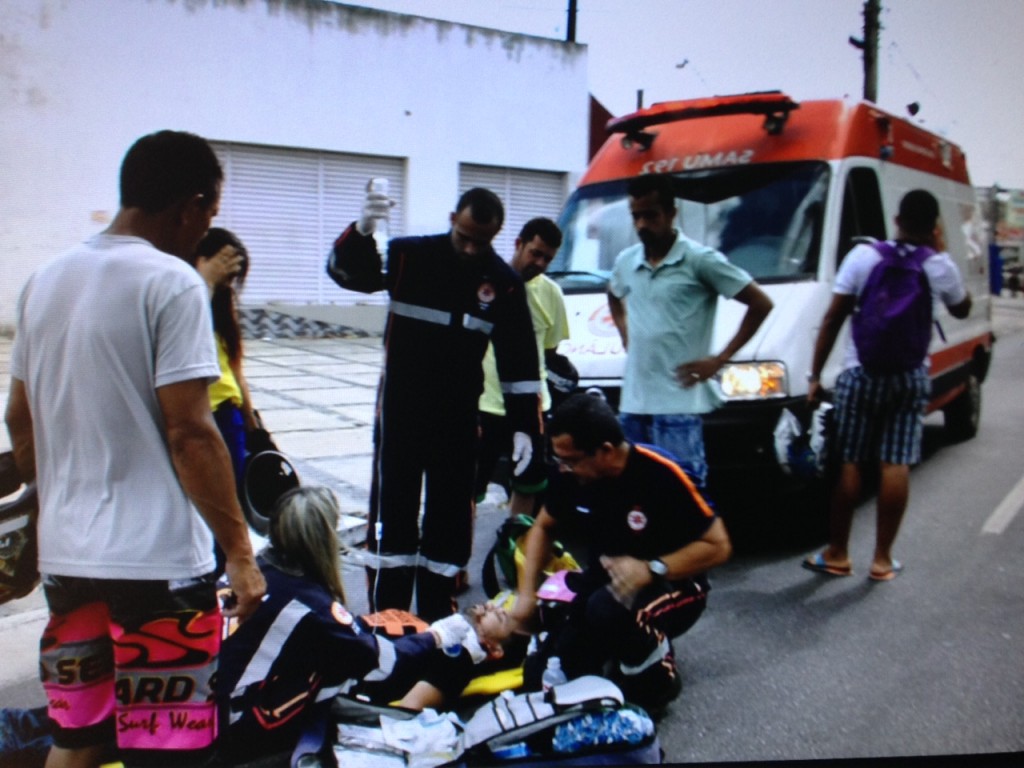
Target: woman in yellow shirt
[(223, 262)]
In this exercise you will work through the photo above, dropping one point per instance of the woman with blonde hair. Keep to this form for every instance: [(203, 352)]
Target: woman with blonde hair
[(279, 670)]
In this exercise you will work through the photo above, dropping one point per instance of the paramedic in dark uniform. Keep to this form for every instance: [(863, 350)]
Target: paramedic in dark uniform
[(450, 295), (651, 537)]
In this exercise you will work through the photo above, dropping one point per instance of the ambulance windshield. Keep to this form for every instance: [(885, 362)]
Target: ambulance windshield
[(766, 219)]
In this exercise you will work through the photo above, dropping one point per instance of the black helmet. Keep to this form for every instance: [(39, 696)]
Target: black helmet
[(266, 477)]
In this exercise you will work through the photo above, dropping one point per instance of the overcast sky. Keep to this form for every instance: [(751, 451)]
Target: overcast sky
[(961, 60)]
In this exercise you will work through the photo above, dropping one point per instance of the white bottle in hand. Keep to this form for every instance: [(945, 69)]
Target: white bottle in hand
[(379, 185)]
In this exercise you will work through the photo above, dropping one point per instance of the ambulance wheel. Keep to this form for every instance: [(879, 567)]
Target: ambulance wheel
[(963, 415)]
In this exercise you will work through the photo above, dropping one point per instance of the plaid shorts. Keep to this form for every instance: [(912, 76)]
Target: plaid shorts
[(132, 661), (880, 417)]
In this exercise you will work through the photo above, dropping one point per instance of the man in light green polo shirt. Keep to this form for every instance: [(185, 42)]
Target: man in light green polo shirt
[(535, 247), (663, 295)]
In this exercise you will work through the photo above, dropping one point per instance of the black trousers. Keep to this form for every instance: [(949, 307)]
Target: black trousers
[(598, 629), (422, 447)]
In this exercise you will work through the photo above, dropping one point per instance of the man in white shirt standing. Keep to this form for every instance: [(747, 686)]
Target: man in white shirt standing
[(109, 412)]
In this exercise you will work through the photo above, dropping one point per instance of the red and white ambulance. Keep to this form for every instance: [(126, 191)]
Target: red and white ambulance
[(784, 190)]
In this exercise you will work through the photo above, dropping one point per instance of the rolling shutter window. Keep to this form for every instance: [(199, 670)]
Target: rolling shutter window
[(288, 205), (526, 194)]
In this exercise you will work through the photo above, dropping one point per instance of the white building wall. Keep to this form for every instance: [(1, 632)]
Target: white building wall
[(80, 80)]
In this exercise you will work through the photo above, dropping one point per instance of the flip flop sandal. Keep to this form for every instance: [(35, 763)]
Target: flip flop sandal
[(817, 564), (892, 573)]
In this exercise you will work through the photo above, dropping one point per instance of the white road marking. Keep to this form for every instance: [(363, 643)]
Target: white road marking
[(1006, 511)]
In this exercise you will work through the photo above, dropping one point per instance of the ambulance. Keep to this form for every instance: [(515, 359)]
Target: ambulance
[(784, 189)]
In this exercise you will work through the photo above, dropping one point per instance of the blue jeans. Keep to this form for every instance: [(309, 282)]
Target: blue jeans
[(681, 434)]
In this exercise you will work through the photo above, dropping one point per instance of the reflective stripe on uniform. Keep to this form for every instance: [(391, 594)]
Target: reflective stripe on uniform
[(441, 569), (383, 562), (660, 653), (520, 387), (270, 648), (439, 317), (329, 692), (380, 561), (416, 312), (471, 323), (385, 660)]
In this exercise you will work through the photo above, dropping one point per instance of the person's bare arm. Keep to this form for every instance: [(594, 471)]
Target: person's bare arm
[(19, 427), (618, 311), (628, 575), (758, 306), (840, 308), (537, 547), (203, 467), (710, 550)]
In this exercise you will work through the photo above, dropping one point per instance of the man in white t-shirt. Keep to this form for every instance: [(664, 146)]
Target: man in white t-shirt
[(109, 412), (879, 416)]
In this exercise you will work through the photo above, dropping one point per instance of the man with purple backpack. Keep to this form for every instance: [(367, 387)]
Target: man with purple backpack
[(880, 396)]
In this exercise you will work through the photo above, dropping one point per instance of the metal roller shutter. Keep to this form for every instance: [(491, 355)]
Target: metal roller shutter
[(526, 194), (288, 205)]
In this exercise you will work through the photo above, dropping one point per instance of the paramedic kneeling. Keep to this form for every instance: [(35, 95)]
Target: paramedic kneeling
[(281, 668), (651, 536)]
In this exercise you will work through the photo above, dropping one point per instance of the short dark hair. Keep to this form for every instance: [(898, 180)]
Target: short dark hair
[(588, 420), (657, 183), (545, 228), (162, 168), (918, 213), (484, 206)]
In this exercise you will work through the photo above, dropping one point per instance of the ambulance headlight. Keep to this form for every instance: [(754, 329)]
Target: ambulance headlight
[(753, 381)]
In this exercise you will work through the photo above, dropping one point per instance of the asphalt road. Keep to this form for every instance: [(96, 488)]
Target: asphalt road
[(785, 665), (791, 665)]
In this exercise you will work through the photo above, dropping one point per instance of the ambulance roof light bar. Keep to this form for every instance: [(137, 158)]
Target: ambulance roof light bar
[(774, 105)]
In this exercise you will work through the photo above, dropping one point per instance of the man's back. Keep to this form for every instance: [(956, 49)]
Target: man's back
[(100, 328)]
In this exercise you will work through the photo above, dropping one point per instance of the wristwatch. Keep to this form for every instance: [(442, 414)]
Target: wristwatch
[(657, 567)]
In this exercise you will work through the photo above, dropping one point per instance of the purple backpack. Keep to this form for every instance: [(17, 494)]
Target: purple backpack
[(892, 325)]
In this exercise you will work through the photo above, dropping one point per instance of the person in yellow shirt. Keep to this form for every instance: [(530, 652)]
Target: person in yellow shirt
[(223, 262), (535, 247)]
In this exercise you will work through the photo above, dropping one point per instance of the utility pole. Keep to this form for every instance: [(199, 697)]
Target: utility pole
[(570, 25), (869, 46)]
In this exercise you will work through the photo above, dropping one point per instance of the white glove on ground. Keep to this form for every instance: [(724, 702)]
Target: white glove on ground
[(376, 206), (522, 452), (451, 630)]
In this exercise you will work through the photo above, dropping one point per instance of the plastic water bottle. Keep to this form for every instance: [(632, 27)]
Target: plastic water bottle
[(380, 231), (553, 675)]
